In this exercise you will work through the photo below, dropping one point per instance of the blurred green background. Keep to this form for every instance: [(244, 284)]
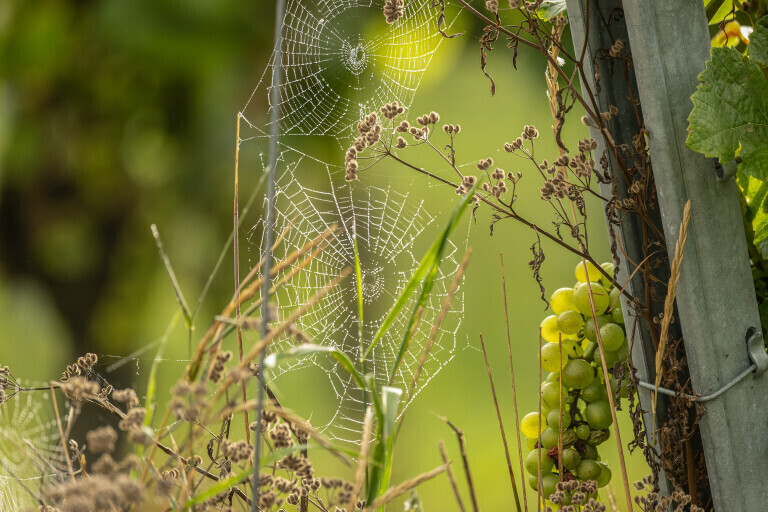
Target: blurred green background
[(118, 114)]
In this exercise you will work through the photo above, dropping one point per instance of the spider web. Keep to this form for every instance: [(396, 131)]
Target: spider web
[(341, 61), (391, 227), (30, 447)]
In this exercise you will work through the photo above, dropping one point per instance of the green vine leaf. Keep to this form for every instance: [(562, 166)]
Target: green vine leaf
[(758, 41), (551, 8), (730, 113), (755, 194)]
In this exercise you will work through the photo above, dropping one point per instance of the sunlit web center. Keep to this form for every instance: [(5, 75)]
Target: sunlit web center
[(372, 284), (356, 57)]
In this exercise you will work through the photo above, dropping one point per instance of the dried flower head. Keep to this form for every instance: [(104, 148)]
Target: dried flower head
[(392, 110), (101, 439), (393, 10), (492, 5)]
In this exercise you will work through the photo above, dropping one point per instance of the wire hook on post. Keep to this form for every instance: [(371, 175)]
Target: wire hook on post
[(757, 355)]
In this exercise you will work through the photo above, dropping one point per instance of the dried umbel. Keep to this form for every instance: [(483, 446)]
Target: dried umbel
[(101, 439), (218, 366), (492, 5), (236, 451), (76, 388), (127, 396), (133, 419), (392, 110), (96, 493), (393, 10)]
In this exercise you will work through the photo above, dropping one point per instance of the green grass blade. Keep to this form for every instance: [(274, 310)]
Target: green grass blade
[(435, 255), (380, 469), (152, 380), (359, 276)]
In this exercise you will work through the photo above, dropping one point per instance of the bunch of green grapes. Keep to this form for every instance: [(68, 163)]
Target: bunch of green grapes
[(574, 391)]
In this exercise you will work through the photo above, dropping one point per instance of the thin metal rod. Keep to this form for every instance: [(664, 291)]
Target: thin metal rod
[(697, 398), (269, 228)]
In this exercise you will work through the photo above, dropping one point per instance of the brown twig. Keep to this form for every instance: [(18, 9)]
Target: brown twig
[(512, 479), (451, 479), (463, 447), (514, 385)]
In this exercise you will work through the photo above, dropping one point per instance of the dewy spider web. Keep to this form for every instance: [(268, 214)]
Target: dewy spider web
[(341, 61), (30, 448), (390, 227)]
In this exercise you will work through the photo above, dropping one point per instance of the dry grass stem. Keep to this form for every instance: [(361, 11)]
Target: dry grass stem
[(512, 479), (514, 385), (669, 300), (451, 479), (463, 447), (362, 462)]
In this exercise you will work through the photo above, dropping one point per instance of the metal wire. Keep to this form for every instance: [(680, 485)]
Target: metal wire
[(269, 229), (700, 398)]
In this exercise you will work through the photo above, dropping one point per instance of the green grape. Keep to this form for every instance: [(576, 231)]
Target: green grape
[(548, 485), (529, 425), (623, 352), (610, 359), (533, 482), (578, 374), (617, 316), (550, 331), (551, 359), (589, 326), (605, 475), (614, 295), (553, 419), (572, 349), (553, 377), (610, 269), (594, 392), (612, 336), (591, 270), (550, 393), (582, 431), (549, 438), (570, 322), (530, 443), (562, 300), (590, 453), (598, 415), (588, 470), (581, 298), (532, 462), (571, 458)]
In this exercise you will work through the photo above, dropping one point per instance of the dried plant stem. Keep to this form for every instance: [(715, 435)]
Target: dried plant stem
[(539, 485), (669, 300), (611, 402), (463, 447), (514, 385), (446, 461), (247, 294), (236, 251), (362, 462), (501, 426), (64, 447)]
